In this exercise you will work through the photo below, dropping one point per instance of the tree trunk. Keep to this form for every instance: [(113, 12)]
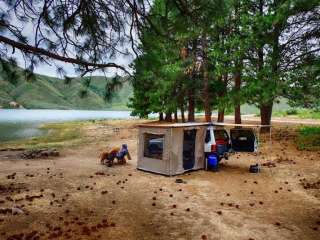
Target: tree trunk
[(176, 116), (191, 105), (237, 108), (168, 117), (266, 113), (224, 80), (237, 74), (160, 116), (237, 114), (221, 115), (183, 54), (206, 90), (266, 106), (183, 119)]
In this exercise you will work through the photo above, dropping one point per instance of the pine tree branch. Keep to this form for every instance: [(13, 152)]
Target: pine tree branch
[(43, 52)]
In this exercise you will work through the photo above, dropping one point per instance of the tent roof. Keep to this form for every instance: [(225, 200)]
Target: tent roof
[(173, 125)]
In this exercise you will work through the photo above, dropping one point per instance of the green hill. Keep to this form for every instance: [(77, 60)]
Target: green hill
[(46, 92)]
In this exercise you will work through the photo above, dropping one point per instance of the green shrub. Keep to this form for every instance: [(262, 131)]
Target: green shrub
[(292, 111), (308, 138)]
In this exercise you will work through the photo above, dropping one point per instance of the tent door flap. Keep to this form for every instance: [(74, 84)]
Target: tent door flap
[(189, 146)]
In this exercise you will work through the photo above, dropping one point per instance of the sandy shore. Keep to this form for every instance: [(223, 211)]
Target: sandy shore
[(74, 197)]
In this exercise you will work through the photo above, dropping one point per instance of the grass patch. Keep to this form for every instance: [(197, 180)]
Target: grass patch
[(309, 114), (58, 135), (308, 138), (298, 113)]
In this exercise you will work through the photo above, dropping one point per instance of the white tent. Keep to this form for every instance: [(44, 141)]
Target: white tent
[(171, 149)]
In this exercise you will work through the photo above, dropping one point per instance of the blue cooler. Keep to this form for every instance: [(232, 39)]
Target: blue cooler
[(213, 162)]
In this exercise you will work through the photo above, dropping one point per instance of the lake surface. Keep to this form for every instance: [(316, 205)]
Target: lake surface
[(22, 123)]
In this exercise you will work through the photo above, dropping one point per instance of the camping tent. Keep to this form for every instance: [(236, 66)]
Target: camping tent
[(171, 148)]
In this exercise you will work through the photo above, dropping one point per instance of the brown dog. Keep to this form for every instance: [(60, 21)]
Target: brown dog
[(119, 153), (110, 156)]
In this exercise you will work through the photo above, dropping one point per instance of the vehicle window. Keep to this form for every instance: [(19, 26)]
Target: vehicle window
[(153, 145), (208, 137), (221, 134), (242, 134), (243, 140)]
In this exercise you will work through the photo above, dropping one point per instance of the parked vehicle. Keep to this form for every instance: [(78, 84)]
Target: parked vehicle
[(243, 140), (219, 142)]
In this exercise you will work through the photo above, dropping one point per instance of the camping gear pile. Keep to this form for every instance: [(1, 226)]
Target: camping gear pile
[(213, 162)]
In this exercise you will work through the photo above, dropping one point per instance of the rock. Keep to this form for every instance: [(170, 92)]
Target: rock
[(16, 210), (14, 104)]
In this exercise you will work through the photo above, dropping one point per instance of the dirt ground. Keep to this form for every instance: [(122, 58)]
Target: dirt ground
[(74, 197)]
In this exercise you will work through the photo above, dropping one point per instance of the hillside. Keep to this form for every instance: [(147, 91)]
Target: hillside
[(46, 92)]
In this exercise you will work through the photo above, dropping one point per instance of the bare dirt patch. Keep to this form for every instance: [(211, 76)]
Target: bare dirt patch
[(74, 197)]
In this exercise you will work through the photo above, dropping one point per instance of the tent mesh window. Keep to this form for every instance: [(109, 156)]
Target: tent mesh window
[(153, 145)]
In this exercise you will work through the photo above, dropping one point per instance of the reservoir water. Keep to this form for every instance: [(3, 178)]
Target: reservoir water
[(22, 123)]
